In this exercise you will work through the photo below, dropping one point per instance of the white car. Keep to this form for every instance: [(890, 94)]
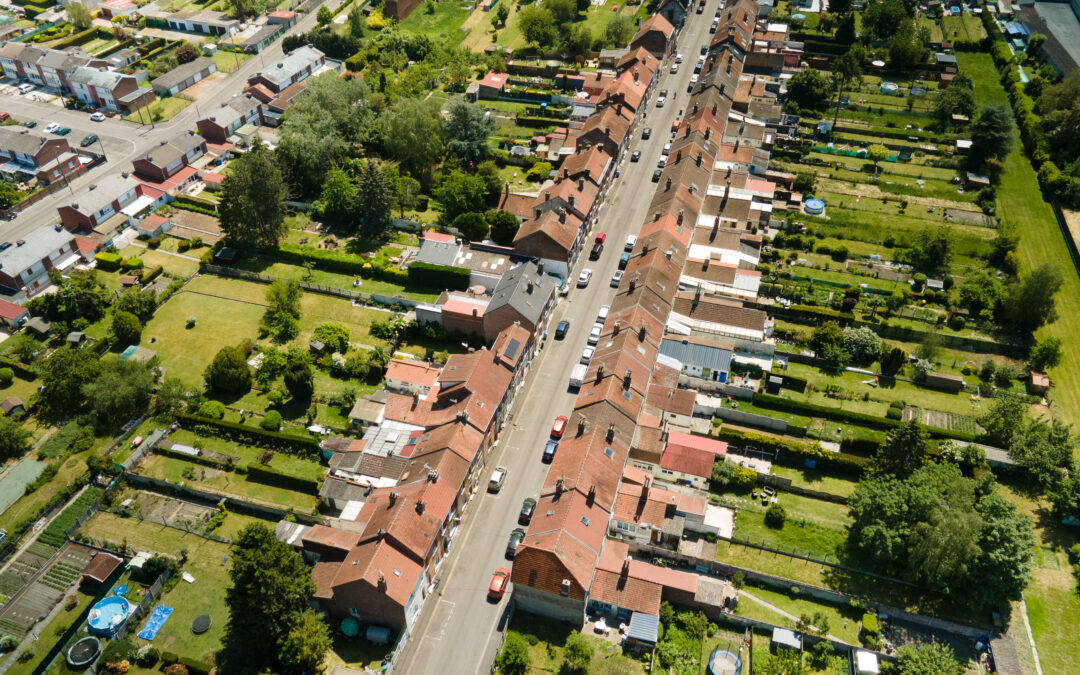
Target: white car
[(678, 58), (584, 277), (616, 278), (660, 101), (630, 241), (674, 68), (667, 149), (53, 126), (694, 78), (97, 117), (594, 334), (26, 88), (602, 315), (586, 355)]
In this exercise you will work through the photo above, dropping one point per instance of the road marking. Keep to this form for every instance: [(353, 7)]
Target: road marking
[(446, 621)]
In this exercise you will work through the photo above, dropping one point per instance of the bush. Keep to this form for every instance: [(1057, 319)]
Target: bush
[(6, 376), (303, 445), (956, 322), (108, 261), (796, 452), (775, 516), (894, 414), (149, 275), (426, 275), (212, 409), (271, 421), (131, 264), (175, 668), (271, 476), (870, 624)]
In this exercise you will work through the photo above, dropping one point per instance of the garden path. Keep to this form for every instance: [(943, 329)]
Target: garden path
[(788, 615)]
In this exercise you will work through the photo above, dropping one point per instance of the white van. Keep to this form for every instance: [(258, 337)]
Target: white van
[(577, 375), (602, 315)]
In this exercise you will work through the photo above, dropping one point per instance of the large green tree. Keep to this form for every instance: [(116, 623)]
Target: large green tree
[(957, 99), (809, 88), (339, 196), (229, 372), (1006, 417), (907, 47), (1029, 300), (299, 376), (120, 392), (14, 439), (1045, 450), (847, 71), (140, 303), (992, 131), (537, 25), (126, 328), (267, 601), (414, 135), (459, 193), (253, 194), (618, 31), (468, 130), (504, 226), (906, 449), (62, 378), (79, 296), (934, 658), (305, 647), (513, 658), (375, 198), (282, 313)]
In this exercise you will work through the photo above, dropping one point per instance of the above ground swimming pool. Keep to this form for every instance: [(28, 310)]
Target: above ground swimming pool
[(814, 206), (107, 616)]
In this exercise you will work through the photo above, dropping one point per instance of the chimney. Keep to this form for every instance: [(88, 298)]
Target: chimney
[(416, 397), (381, 534), (708, 132), (529, 287), (667, 186), (570, 199), (420, 504), (475, 312), (626, 565), (600, 372), (562, 215), (633, 283), (433, 475), (382, 579), (393, 497), (580, 184), (558, 485), (610, 432), (540, 267), (616, 327), (641, 332), (678, 155), (698, 161), (565, 174), (627, 378), (678, 221), (565, 588), (714, 109), (547, 195), (592, 493)]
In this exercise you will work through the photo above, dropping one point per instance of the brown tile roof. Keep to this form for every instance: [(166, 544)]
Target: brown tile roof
[(655, 22), (461, 439), (101, 566), (623, 355), (712, 102), (438, 477), (627, 314), (719, 311), (330, 537), (643, 504), (642, 59), (671, 400), (618, 590), (674, 197), (380, 566), (710, 270), (648, 444), (570, 529), (394, 512), (669, 225), (688, 459), (548, 236), (664, 376), (588, 464), (728, 238), (613, 120), (510, 345), (420, 373), (613, 557), (324, 573), (591, 164), (653, 277), (519, 205), (610, 391)]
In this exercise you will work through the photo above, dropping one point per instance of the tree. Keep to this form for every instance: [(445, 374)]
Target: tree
[(502, 13), (618, 31), (273, 365), (375, 198), (1035, 44), (577, 40), (775, 516), (126, 328), (1043, 449), (408, 194), (814, 624), (1004, 419), (489, 173), (992, 131), (827, 341), (980, 294), (862, 344), (907, 48), (513, 658), (504, 226), (10, 195), (80, 296), (847, 70), (228, 373), (538, 25), (79, 16), (1029, 301), (459, 193), (356, 22), (14, 440), (934, 658), (140, 303), (472, 226), (62, 378), (1046, 354), (339, 196), (467, 130), (578, 652), (932, 249), (324, 16), (414, 135), (877, 153), (283, 309), (304, 648), (299, 377), (808, 88), (334, 335), (170, 395), (906, 449), (241, 9), (119, 393), (252, 208), (784, 662), (883, 19), (268, 598), (957, 99)]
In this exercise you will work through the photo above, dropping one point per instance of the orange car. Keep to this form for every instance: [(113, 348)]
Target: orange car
[(559, 427), (498, 583)]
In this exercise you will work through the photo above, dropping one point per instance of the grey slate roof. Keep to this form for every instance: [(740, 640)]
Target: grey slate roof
[(103, 193), (61, 60), (95, 77), (786, 638), (691, 353), (38, 244), (644, 627), (233, 110), (16, 139), (169, 151), (282, 72), (513, 290), (437, 252), (181, 73)]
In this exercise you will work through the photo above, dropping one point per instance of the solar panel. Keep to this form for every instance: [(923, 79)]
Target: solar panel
[(512, 348)]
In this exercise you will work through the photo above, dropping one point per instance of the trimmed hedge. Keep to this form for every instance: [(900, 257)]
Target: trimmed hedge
[(195, 459), (265, 474), (277, 439), (791, 382), (339, 262), (438, 276), (109, 261), (149, 275), (202, 206), (794, 452)]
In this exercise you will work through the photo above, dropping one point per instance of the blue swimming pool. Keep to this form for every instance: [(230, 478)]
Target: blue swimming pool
[(107, 616)]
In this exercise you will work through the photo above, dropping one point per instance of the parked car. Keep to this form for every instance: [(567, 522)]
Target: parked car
[(97, 117), (4, 116), (528, 508), (594, 334), (630, 241), (560, 330), (635, 155), (559, 426), (597, 249), (26, 88), (624, 260), (662, 162), (584, 277), (51, 127), (674, 68), (656, 175), (63, 131), (601, 237), (587, 354), (602, 314), (616, 278), (704, 49), (660, 101), (549, 451), (30, 124), (499, 583), (515, 540), (88, 139), (646, 133), (678, 58), (498, 477)]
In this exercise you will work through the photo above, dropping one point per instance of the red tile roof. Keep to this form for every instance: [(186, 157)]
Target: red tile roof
[(656, 22), (331, 537), (621, 590), (101, 566), (677, 438), (420, 373), (382, 567), (688, 460), (563, 542), (495, 80), (588, 464), (11, 311), (614, 555)]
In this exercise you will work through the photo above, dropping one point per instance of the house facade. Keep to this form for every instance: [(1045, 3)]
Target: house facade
[(25, 266)]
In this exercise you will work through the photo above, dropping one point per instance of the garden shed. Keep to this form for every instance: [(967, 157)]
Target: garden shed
[(784, 638), (975, 180), (12, 405), (866, 663), (644, 630), (950, 383)]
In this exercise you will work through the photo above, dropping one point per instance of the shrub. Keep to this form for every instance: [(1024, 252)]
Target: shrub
[(271, 421), (108, 261), (190, 323), (775, 516), (956, 322), (175, 668), (132, 264), (271, 476), (426, 275), (6, 376), (212, 409), (870, 624), (149, 275), (894, 414)]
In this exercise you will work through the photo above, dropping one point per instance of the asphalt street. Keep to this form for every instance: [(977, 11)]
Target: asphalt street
[(459, 630), (123, 141)]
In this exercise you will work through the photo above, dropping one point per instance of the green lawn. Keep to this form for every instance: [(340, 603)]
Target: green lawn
[(441, 25), (372, 286), (807, 535), (49, 635), (1041, 242), (70, 469), (225, 482), (816, 479), (162, 110), (843, 622), (245, 454), (546, 640), (181, 267), (228, 61), (206, 561)]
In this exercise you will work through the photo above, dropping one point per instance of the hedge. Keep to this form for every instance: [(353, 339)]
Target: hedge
[(339, 262), (195, 459), (438, 276), (534, 121), (796, 450), (108, 261), (798, 384), (265, 474), (131, 264), (149, 275), (277, 439), (197, 205)]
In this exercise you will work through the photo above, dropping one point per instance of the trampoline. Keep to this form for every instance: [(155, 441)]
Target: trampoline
[(723, 662), (201, 624), (155, 622), (889, 88), (107, 616), (84, 652)]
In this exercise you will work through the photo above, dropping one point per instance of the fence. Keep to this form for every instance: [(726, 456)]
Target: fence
[(745, 418), (308, 286), (26, 36), (786, 485), (701, 384), (144, 606)]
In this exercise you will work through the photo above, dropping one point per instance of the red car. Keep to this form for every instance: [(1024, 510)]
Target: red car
[(498, 583), (4, 116), (559, 427), (601, 237)]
